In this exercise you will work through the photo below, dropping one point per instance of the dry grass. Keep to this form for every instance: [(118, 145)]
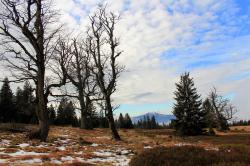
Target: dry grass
[(77, 140)]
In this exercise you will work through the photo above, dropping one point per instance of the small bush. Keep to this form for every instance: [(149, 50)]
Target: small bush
[(190, 156)]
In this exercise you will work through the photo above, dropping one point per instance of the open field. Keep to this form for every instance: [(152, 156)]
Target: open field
[(73, 146)]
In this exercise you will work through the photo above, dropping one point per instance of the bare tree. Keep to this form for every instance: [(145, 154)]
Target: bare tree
[(28, 32), (80, 75), (103, 46), (223, 110)]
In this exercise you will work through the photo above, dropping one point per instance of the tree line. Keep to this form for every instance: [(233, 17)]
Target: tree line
[(193, 115), (241, 123), (148, 123)]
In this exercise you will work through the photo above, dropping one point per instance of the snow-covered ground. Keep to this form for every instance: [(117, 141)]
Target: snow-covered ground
[(68, 150)]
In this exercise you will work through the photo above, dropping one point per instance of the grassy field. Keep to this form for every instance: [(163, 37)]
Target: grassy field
[(73, 146)]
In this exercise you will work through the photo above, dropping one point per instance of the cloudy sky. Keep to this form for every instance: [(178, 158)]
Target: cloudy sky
[(163, 38)]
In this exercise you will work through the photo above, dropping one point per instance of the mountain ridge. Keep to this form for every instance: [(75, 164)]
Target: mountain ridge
[(159, 117)]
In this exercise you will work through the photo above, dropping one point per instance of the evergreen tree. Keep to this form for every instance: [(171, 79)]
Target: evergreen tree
[(52, 114), (66, 113), (25, 107), (153, 123), (128, 122), (190, 118), (121, 121), (7, 110)]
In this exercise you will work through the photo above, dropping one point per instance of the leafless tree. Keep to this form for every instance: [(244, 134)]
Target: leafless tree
[(80, 75), (103, 47), (222, 109), (29, 31)]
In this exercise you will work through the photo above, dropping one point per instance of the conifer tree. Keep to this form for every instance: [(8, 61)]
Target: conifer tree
[(7, 110), (120, 121), (154, 125), (190, 118), (52, 114), (128, 122), (66, 113)]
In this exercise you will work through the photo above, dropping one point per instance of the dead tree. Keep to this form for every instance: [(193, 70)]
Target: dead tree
[(28, 33), (103, 46), (223, 110)]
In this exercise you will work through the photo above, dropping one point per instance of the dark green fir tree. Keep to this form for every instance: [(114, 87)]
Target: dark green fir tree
[(7, 110), (190, 118)]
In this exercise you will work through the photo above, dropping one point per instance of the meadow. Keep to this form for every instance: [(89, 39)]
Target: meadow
[(73, 146)]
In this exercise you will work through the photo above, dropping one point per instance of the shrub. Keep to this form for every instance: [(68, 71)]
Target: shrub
[(190, 156)]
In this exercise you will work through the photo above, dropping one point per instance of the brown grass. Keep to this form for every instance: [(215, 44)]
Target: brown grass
[(238, 139), (190, 156)]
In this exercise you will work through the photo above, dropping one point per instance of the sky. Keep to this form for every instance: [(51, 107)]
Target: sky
[(161, 39)]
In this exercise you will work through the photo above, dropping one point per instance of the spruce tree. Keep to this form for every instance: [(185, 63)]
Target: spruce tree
[(66, 113), (120, 121), (153, 123), (128, 122), (7, 110), (52, 114), (190, 118)]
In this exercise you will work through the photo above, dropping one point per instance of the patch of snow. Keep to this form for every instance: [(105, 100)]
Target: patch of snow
[(103, 137), (79, 159), (63, 141), (147, 147), (212, 148), (41, 146), (32, 161), (23, 145), (113, 157), (94, 145), (2, 161), (23, 153), (4, 142), (78, 152), (182, 144), (103, 153), (61, 148), (54, 161), (67, 158)]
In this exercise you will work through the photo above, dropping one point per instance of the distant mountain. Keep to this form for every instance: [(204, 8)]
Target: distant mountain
[(160, 118)]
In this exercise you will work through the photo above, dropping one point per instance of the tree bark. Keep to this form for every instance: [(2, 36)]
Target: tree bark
[(111, 120), (42, 105)]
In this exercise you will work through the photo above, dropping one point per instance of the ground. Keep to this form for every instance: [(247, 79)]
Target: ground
[(74, 146)]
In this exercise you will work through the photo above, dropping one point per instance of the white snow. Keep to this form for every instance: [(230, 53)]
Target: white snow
[(54, 161), (67, 158), (4, 142), (64, 141), (23, 153), (78, 152), (61, 148), (94, 145), (23, 145), (103, 153), (212, 148), (108, 155), (2, 161), (32, 161), (183, 144), (147, 147)]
